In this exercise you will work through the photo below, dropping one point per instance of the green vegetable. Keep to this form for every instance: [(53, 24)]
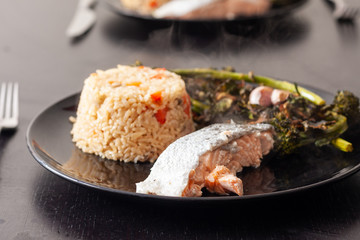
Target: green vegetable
[(198, 106), (303, 119), (219, 74), (347, 104), (342, 144), (302, 123)]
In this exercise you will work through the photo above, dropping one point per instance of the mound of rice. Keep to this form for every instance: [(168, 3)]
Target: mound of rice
[(143, 6), (131, 114)]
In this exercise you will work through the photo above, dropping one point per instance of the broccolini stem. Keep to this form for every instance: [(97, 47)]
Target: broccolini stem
[(343, 145), (198, 106), (270, 82), (291, 87), (335, 130)]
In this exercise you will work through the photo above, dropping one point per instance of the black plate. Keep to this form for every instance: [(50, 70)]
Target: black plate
[(116, 6), (49, 141)]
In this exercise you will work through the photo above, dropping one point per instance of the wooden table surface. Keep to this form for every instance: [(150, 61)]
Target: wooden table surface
[(308, 47)]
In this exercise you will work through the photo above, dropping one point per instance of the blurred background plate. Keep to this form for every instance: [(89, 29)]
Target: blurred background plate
[(275, 11)]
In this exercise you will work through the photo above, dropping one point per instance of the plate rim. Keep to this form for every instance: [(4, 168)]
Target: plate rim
[(124, 193)]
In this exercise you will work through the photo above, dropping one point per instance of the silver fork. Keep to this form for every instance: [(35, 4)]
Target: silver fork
[(342, 11), (9, 105)]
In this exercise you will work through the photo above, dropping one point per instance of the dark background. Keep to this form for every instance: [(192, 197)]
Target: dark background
[(308, 47)]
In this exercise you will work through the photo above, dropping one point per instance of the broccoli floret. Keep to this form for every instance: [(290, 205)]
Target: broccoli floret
[(347, 104)]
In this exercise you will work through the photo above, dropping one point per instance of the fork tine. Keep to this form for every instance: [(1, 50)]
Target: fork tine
[(16, 100), (2, 100), (346, 14), (349, 13), (8, 100), (353, 12)]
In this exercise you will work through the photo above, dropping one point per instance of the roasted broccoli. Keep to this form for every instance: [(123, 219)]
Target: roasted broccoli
[(347, 104), (303, 119)]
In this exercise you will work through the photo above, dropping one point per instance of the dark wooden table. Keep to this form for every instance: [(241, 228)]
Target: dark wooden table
[(308, 47)]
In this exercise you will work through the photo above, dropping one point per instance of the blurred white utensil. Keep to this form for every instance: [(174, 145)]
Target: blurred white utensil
[(83, 19), (342, 11)]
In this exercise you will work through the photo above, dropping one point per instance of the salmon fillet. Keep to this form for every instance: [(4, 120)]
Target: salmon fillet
[(208, 158)]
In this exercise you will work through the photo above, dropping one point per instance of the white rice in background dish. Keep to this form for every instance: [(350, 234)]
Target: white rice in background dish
[(131, 114)]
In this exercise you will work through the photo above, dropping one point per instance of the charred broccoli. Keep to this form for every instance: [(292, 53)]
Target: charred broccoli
[(347, 104), (303, 119)]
